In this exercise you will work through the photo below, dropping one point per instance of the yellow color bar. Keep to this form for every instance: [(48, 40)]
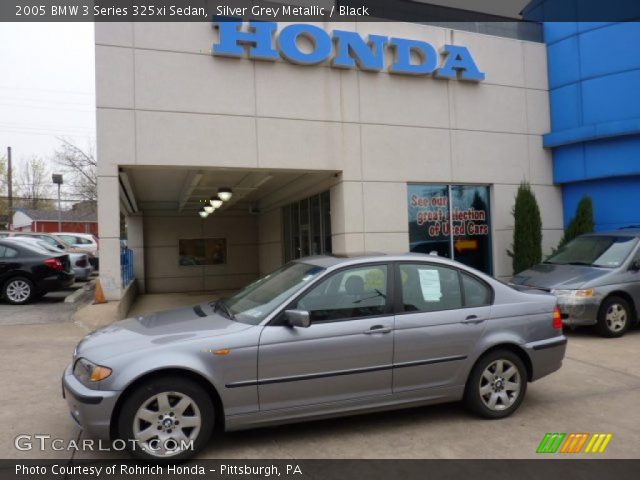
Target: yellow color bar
[(598, 442), (605, 443)]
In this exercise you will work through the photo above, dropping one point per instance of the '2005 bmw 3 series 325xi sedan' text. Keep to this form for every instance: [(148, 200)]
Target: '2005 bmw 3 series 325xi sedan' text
[(320, 337)]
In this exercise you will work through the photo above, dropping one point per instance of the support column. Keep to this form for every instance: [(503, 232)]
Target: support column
[(109, 231), (347, 224), (135, 241)]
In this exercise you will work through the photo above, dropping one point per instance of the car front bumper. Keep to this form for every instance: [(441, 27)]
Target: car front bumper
[(546, 355), (578, 311), (90, 409)]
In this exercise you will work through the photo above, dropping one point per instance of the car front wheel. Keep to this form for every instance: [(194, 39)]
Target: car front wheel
[(497, 385), (166, 418), (18, 291), (614, 317)]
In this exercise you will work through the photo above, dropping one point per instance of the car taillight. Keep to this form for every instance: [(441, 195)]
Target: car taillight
[(54, 263), (557, 318)]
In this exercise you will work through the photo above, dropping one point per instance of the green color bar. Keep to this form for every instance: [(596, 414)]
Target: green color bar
[(550, 442), (543, 443), (558, 442)]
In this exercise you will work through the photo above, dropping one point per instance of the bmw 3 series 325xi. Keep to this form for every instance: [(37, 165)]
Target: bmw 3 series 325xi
[(320, 337)]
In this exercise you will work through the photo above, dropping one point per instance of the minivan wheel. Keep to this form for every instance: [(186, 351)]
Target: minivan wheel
[(497, 385), (166, 418), (18, 291), (614, 317)]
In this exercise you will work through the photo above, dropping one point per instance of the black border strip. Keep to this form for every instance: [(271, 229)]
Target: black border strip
[(314, 376)]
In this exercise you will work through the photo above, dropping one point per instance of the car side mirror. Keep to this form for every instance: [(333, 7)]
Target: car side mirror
[(298, 318), (635, 265)]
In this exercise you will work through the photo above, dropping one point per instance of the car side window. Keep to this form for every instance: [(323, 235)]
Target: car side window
[(8, 252), (429, 288), (476, 292), (351, 293)]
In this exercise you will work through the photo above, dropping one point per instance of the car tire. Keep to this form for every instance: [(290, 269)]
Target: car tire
[(614, 317), (162, 409), (497, 385), (18, 291)]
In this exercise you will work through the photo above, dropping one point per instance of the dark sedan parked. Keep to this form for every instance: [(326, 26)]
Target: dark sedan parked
[(26, 272)]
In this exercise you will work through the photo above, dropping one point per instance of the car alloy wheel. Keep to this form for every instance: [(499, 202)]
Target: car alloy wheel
[(166, 422), (18, 291), (500, 385), (616, 317)]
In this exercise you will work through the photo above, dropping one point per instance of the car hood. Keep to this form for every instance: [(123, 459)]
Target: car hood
[(156, 329), (549, 276)]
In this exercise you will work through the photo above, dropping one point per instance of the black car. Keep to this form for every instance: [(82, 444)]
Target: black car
[(27, 272)]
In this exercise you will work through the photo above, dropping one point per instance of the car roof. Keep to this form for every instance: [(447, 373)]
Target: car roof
[(327, 261)]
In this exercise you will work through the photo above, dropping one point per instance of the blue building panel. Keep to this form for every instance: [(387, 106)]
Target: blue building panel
[(594, 81), (566, 107), (611, 98), (564, 62), (609, 50), (615, 201)]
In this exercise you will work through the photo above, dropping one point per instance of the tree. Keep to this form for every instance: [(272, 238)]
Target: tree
[(80, 169), (34, 183), (527, 231), (581, 223)]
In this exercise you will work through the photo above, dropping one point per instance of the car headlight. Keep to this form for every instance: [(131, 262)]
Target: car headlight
[(87, 371), (586, 293)]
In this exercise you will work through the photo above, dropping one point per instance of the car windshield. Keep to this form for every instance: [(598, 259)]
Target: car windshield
[(255, 302), (606, 251)]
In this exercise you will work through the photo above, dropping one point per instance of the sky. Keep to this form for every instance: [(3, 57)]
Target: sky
[(47, 87)]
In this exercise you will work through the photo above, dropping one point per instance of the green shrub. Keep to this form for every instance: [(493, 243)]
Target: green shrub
[(527, 231), (581, 223)]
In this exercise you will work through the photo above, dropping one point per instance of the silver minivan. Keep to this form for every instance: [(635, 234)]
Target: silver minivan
[(596, 278)]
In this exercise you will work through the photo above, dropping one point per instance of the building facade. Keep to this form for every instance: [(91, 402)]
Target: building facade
[(595, 118), (320, 159)]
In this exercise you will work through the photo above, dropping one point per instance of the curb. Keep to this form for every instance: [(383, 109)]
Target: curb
[(80, 293)]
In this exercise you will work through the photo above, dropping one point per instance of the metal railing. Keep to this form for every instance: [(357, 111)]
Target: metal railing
[(126, 266)]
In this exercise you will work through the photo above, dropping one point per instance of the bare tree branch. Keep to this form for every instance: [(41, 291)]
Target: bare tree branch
[(80, 167), (34, 183)]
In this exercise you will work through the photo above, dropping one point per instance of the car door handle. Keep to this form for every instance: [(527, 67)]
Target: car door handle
[(472, 320), (377, 329)]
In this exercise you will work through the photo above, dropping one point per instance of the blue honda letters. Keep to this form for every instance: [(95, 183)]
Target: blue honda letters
[(344, 50)]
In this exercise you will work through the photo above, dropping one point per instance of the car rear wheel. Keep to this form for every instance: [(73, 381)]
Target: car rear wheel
[(497, 385), (614, 317), (166, 418), (18, 291)]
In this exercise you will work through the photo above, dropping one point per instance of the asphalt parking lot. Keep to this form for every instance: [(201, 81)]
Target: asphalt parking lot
[(597, 390), (51, 308)]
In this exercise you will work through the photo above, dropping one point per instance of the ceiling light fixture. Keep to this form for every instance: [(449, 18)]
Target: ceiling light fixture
[(215, 202), (203, 213), (209, 209), (225, 194)]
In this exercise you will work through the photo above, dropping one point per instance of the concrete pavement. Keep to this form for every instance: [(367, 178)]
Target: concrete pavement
[(597, 390)]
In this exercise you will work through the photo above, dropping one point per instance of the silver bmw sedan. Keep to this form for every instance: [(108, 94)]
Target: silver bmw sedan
[(320, 337)]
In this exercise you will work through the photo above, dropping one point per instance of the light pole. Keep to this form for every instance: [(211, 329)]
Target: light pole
[(57, 179)]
